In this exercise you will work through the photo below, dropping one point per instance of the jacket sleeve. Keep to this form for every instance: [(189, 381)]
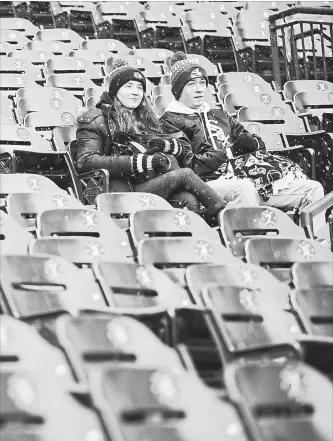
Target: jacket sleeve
[(90, 148), (237, 129), (203, 159)]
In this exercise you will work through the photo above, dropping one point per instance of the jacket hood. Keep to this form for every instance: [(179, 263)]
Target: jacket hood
[(177, 107), (105, 100)]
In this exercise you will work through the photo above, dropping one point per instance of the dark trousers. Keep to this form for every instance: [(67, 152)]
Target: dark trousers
[(183, 188)]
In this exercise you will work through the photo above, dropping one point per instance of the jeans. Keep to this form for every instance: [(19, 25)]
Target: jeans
[(172, 185), (236, 192), (300, 194)]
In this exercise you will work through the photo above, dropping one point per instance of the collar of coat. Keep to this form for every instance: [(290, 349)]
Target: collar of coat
[(177, 107)]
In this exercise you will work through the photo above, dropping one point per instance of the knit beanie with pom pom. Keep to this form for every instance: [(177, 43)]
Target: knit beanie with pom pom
[(121, 74), (183, 70)]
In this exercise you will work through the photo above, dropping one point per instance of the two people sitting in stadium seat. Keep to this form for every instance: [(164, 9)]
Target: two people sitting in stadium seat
[(194, 167), (258, 178), (107, 135)]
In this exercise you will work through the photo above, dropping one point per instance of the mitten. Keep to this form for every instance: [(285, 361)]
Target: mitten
[(141, 163), (243, 145), (160, 162), (170, 146)]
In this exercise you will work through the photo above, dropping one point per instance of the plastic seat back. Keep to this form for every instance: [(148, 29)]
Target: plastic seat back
[(120, 205), (240, 224), (312, 275), (13, 238), (42, 285), (26, 183)]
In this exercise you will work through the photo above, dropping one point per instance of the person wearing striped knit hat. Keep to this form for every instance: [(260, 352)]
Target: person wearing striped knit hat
[(123, 136)]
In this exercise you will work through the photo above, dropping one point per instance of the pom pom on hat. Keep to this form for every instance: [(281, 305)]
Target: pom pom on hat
[(177, 56)]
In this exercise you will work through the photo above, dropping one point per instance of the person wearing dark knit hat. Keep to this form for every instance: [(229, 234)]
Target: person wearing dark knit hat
[(210, 132), (123, 136), (215, 138)]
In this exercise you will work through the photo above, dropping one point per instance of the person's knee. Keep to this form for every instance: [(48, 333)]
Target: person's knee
[(184, 199), (245, 192), (314, 193)]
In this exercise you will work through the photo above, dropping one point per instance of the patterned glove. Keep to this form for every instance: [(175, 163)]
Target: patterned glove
[(141, 163), (160, 162), (170, 146)]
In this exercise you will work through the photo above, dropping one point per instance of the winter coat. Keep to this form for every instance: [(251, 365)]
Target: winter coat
[(95, 134), (209, 131)]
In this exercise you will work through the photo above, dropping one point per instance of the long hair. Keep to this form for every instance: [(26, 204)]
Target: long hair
[(140, 120)]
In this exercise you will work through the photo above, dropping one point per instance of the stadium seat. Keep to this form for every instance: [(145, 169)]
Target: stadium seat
[(21, 25), (83, 251), (62, 137), (134, 287), (24, 207), (45, 122), (280, 254), (17, 66), (55, 47), (35, 286), (252, 80), (26, 408), (18, 338), (64, 35), (169, 223), (82, 222), (120, 205), (319, 105), (156, 55), (95, 56), (208, 33), (24, 106), (312, 275), (27, 183), (65, 65), (158, 28), (118, 395), (290, 88), (180, 252), (6, 106), (314, 308), (250, 320), (105, 45), (235, 273), (49, 93), (10, 83), (238, 225), (282, 399), (36, 57), (5, 48), (13, 238), (16, 39), (95, 341), (243, 98), (77, 83)]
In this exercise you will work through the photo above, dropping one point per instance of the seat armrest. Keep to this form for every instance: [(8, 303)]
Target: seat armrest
[(307, 215)]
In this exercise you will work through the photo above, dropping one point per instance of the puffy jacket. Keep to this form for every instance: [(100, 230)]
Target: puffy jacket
[(94, 142), (95, 133), (209, 131)]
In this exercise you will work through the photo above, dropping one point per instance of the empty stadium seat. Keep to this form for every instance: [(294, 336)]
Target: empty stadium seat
[(120, 205), (13, 237), (35, 286), (82, 222), (64, 65), (241, 224), (281, 253), (312, 275), (24, 207)]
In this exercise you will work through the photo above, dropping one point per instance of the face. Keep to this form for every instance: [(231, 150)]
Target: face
[(130, 94), (193, 94)]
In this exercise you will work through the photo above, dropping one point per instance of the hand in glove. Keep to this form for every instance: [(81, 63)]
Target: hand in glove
[(171, 146), (142, 163)]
